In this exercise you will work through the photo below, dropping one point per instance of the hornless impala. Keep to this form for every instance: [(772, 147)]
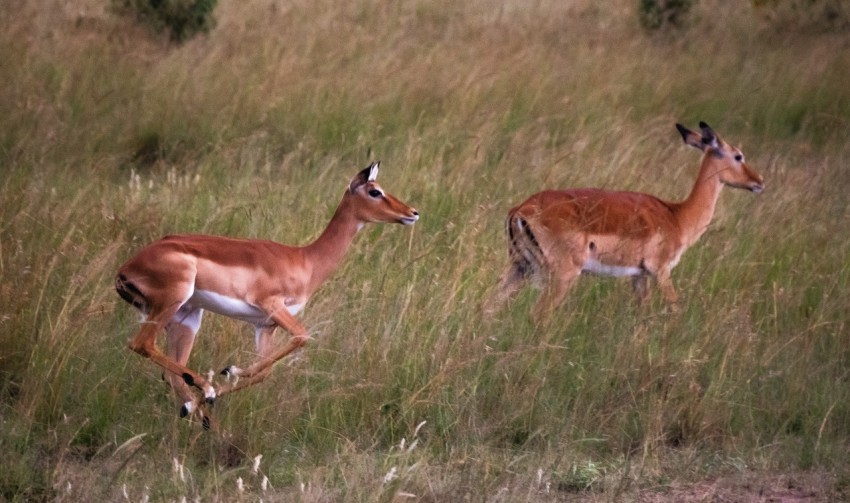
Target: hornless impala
[(173, 280), (555, 235)]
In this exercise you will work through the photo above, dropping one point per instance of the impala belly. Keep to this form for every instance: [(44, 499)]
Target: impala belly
[(594, 266), (611, 256), (235, 308), (228, 306)]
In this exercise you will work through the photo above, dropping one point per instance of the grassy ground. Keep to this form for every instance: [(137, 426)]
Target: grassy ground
[(110, 138)]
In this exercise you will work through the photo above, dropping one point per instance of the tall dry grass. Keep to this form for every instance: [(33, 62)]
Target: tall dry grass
[(110, 138)]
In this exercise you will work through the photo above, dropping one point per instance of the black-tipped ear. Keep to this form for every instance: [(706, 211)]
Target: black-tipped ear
[(369, 174), (373, 170), (709, 137), (691, 138), (683, 131)]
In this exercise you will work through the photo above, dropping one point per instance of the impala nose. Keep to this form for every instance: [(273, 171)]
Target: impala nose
[(411, 220)]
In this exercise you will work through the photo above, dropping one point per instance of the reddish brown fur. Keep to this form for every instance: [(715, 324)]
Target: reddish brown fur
[(262, 276), (555, 234)]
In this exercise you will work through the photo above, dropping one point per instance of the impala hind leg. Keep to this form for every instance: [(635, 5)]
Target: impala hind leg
[(144, 343), (640, 286), (181, 332), (560, 282), (511, 282)]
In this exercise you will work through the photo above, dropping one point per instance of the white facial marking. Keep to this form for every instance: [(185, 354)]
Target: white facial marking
[(596, 267)]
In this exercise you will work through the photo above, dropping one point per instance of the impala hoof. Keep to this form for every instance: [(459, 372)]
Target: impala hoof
[(232, 370), (186, 409), (209, 395)]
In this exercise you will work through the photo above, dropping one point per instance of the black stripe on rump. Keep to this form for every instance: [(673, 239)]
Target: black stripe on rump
[(525, 250), (130, 293)]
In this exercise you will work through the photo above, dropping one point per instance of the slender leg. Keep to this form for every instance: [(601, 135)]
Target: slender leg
[(640, 287), (259, 371), (268, 355), (264, 339), (144, 343), (553, 294), (181, 332), (508, 287), (665, 284)]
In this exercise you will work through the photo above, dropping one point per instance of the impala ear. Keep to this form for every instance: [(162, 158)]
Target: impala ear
[(690, 137), (373, 170), (705, 140), (369, 174), (709, 137)]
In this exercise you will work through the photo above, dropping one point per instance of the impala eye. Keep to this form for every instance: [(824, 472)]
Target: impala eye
[(739, 157), (375, 193)]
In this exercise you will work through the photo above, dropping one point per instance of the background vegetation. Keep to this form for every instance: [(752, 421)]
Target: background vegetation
[(110, 138)]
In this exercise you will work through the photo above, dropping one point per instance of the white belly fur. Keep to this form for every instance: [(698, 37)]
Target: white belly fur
[(235, 308), (596, 267)]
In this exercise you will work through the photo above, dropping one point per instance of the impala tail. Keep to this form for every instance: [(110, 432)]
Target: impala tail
[(130, 293), (527, 262), (524, 250)]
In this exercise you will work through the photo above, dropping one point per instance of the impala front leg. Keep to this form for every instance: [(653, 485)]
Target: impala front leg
[(665, 284), (640, 287), (260, 369)]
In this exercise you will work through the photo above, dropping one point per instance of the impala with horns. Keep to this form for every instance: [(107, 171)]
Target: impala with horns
[(174, 280), (556, 235)]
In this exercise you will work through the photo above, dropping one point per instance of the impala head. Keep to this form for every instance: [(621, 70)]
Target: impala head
[(729, 161), (372, 204)]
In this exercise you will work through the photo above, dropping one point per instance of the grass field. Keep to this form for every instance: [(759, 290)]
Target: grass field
[(110, 138)]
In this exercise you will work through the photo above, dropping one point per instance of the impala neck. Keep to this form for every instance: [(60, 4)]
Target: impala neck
[(695, 212), (327, 251)]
